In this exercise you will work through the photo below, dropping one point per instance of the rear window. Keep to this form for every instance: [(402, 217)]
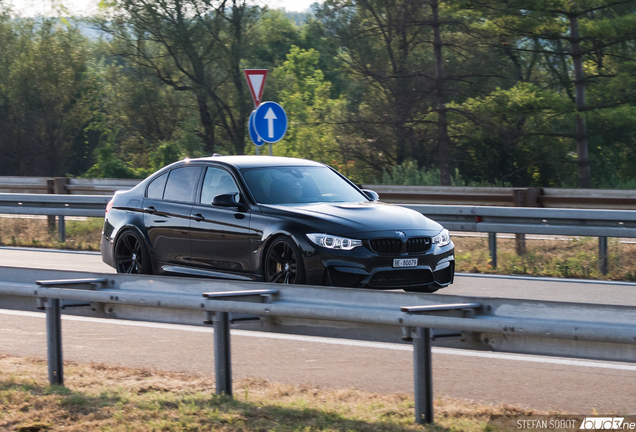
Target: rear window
[(181, 184), (156, 187)]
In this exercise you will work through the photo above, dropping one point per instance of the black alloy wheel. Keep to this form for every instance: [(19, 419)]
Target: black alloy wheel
[(131, 254), (283, 263)]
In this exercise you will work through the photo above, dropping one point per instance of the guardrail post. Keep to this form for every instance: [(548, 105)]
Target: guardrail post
[(222, 354), (59, 187), (519, 200), (50, 189), (528, 197), (602, 255), (61, 228), (54, 341), (423, 376), (221, 321), (492, 245)]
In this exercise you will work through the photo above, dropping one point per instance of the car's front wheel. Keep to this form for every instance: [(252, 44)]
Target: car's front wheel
[(283, 262), (131, 254)]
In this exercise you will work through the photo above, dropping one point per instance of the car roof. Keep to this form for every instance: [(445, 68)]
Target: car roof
[(248, 161)]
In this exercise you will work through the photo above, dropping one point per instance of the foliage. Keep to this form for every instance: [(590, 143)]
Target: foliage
[(399, 90), (408, 174), (44, 88), (304, 94)]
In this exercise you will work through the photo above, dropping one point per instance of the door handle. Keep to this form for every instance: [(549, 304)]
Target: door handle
[(150, 209), (198, 217)]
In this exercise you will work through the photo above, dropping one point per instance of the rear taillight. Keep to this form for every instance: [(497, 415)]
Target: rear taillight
[(109, 205)]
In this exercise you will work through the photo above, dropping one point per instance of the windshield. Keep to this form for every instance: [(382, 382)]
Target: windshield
[(299, 185)]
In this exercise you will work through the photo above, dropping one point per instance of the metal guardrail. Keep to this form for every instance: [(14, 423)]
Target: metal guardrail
[(523, 326), (568, 222), (58, 205), (603, 199), (492, 220), (572, 222), (433, 195), (71, 186), (54, 205)]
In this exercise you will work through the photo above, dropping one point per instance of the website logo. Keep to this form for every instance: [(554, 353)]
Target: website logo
[(602, 423)]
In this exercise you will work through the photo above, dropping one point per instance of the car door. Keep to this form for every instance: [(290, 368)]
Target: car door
[(167, 209), (220, 236)]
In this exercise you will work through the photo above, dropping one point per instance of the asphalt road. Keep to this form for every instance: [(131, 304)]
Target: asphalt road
[(615, 293), (547, 383)]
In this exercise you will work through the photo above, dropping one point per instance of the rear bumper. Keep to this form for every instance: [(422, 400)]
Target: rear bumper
[(106, 245)]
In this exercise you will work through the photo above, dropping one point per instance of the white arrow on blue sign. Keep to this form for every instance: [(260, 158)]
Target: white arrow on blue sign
[(253, 135), (270, 122)]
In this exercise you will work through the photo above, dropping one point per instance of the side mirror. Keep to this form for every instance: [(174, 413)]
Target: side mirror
[(372, 195), (229, 200)]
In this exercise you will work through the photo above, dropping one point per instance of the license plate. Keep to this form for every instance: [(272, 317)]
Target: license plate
[(411, 262)]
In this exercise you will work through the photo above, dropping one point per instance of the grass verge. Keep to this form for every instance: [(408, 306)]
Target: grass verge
[(99, 397), (559, 257), (35, 232)]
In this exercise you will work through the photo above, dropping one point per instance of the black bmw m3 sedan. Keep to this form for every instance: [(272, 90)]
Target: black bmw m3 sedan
[(272, 219)]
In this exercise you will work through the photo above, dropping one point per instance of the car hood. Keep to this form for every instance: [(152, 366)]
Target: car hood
[(347, 218)]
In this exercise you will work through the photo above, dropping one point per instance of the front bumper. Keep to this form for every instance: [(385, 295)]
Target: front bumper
[(361, 268)]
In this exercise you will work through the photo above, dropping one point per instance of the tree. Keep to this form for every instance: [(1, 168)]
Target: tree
[(305, 95), (570, 38), (195, 46), (43, 95), (408, 55), (134, 114)]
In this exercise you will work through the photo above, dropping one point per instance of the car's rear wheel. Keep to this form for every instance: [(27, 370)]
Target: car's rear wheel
[(131, 254), (283, 262)]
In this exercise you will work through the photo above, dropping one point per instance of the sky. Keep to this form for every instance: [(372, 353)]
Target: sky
[(86, 7)]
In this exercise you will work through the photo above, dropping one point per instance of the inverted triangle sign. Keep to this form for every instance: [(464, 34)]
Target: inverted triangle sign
[(256, 82)]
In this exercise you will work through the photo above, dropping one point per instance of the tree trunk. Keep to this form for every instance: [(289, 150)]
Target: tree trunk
[(579, 84), (442, 122), (244, 107), (208, 125)]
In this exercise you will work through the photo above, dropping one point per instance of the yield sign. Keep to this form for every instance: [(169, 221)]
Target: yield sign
[(256, 82)]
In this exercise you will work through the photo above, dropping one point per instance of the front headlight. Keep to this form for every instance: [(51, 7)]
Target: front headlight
[(334, 242), (442, 239)]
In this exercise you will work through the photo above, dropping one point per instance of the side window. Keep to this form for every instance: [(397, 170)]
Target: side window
[(156, 187), (181, 184), (217, 182)]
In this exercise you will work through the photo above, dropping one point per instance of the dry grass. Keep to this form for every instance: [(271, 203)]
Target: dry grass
[(99, 397), (568, 258), (35, 232)]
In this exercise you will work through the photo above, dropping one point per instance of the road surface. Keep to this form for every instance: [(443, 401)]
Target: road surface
[(547, 383), (615, 293)]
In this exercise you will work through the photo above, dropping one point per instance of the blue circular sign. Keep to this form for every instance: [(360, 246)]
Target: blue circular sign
[(252, 131), (270, 122)]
